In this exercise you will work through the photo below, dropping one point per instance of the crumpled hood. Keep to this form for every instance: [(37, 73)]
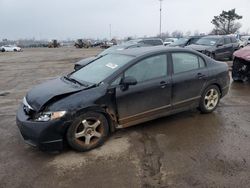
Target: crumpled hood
[(198, 47), (39, 95), (243, 53)]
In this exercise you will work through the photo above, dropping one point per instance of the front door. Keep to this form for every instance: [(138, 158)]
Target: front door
[(150, 96)]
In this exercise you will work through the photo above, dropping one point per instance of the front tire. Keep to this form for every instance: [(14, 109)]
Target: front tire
[(209, 99), (88, 131)]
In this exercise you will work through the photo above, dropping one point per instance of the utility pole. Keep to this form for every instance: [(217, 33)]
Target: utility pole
[(110, 32), (160, 14)]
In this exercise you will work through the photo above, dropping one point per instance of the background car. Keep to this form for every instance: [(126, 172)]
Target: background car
[(149, 41), (136, 43), (216, 47), (245, 40), (242, 43), (10, 48), (241, 64), (106, 44), (168, 41), (185, 41), (119, 90)]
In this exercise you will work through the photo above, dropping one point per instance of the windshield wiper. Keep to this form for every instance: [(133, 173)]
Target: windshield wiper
[(75, 81)]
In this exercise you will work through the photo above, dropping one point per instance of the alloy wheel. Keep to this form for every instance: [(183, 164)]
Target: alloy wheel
[(211, 99), (89, 131)]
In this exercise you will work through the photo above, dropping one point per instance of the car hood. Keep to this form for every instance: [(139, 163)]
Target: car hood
[(51, 90), (198, 47), (243, 53)]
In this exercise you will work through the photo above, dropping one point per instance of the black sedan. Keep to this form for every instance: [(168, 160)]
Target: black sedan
[(119, 90), (216, 47)]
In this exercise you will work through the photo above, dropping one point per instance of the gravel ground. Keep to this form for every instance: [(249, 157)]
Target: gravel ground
[(184, 150)]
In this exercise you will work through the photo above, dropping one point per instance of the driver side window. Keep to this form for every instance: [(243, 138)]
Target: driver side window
[(148, 69), (221, 41)]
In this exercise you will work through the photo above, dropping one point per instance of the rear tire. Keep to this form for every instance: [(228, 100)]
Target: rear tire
[(209, 99), (88, 131)]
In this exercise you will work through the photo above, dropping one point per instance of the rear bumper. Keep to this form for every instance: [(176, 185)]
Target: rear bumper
[(47, 136)]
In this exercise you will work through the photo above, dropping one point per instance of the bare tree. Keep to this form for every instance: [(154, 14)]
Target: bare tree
[(188, 33), (164, 35), (196, 33), (225, 22), (177, 34)]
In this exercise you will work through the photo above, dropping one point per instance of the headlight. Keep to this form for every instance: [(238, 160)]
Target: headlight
[(47, 116)]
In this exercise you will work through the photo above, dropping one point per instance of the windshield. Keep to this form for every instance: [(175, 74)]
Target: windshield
[(180, 41), (100, 69), (207, 41)]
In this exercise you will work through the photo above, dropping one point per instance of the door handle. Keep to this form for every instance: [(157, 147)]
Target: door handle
[(163, 84), (201, 76)]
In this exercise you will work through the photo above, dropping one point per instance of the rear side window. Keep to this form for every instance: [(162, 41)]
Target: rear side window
[(227, 40), (234, 40), (201, 62), (183, 62)]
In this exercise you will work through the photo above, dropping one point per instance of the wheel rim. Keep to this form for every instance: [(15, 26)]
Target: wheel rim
[(211, 99), (89, 131)]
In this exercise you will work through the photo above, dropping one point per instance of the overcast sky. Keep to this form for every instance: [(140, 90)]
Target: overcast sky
[(64, 19)]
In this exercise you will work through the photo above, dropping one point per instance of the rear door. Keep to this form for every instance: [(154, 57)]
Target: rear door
[(189, 77)]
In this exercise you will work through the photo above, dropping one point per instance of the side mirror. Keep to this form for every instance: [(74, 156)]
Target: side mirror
[(127, 81), (219, 44)]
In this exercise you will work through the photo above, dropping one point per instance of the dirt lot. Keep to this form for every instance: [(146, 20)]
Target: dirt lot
[(185, 150)]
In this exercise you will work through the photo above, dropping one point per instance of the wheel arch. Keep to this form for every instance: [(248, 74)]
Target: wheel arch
[(103, 110), (216, 84)]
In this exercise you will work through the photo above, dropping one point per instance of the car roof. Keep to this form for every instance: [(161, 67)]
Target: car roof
[(136, 52), (195, 36), (219, 36), (214, 36)]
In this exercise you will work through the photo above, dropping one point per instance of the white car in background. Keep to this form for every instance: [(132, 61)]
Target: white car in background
[(169, 41), (244, 41), (10, 48)]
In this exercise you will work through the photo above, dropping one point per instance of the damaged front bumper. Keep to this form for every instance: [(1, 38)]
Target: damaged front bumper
[(241, 70), (47, 136)]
